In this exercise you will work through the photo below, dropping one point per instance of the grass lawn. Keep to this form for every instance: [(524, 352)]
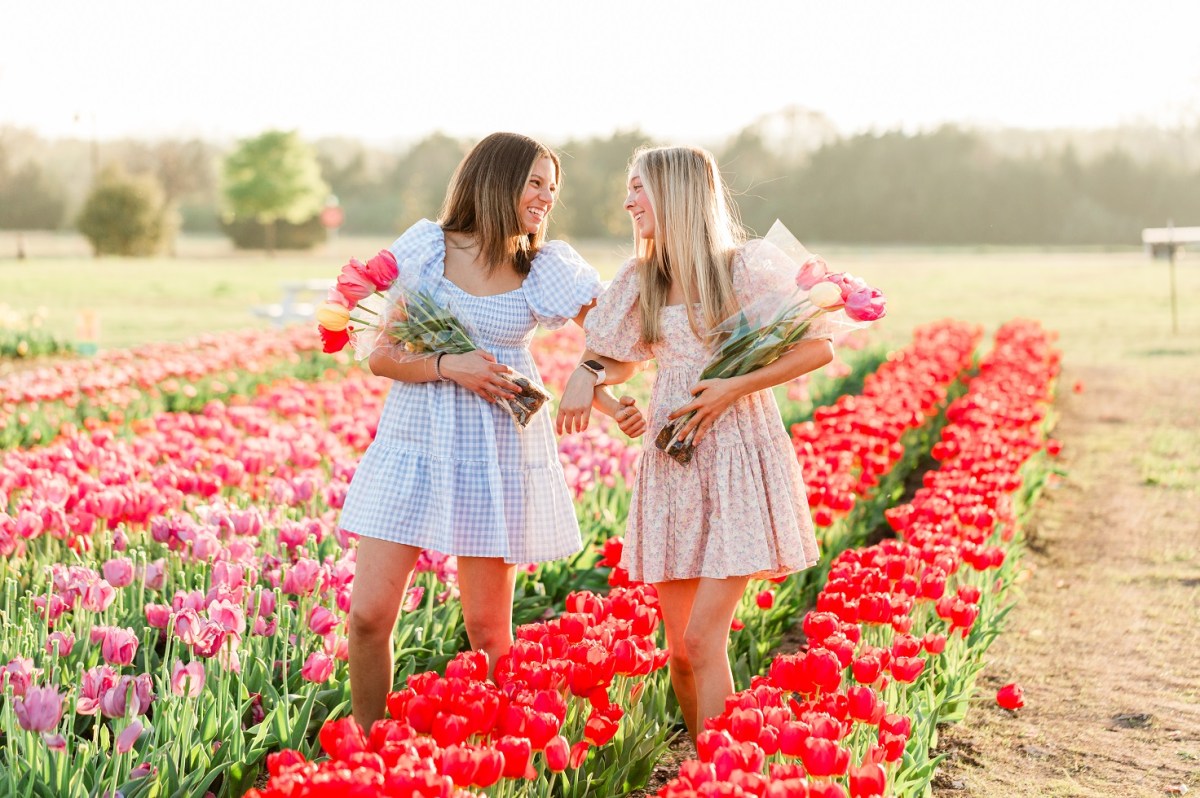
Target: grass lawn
[(1109, 308)]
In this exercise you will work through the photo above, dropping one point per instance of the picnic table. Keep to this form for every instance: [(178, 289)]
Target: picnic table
[(298, 301)]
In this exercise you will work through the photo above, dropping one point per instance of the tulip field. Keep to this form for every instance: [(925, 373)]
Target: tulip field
[(175, 586)]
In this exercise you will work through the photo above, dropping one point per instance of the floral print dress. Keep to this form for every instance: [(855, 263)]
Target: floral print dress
[(739, 508)]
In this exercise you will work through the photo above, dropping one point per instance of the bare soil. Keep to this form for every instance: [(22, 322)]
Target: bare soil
[(1105, 639)]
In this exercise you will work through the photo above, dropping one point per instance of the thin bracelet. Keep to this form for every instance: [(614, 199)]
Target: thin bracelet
[(437, 367)]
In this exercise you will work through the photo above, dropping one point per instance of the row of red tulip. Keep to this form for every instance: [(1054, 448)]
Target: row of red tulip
[(900, 628)]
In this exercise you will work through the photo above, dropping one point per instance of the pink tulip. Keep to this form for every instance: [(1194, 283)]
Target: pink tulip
[(158, 616), (156, 574), (264, 627), (129, 695), (60, 643), (92, 685), (119, 646), (228, 575), (866, 304), (382, 270), (812, 271), (188, 626), (353, 283), (337, 647), (55, 742), (246, 522), (262, 603), (318, 667), (19, 674), (189, 600), (98, 596), (321, 620), (301, 579), (119, 571), (229, 616), (39, 710), (188, 679), (413, 598), (57, 606), (210, 639), (128, 736)]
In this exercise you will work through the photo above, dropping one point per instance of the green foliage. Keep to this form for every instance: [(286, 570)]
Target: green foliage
[(593, 186), (249, 234), (271, 177), (23, 335), (123, 215), (30, 198)]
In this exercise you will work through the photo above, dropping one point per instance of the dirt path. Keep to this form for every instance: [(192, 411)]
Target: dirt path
[(1105, 639)]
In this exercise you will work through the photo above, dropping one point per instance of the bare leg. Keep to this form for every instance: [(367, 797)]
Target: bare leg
[(381, 576), (675, 598), (707, 642), (485, 586)]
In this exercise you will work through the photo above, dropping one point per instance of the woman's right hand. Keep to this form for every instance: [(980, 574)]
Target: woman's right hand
[(479, 373), (575, 406)]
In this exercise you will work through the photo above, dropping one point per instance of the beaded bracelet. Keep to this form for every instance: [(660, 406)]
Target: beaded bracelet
[(437, 367)]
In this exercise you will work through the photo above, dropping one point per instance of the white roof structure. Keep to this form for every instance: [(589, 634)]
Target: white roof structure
[(1171, 235)]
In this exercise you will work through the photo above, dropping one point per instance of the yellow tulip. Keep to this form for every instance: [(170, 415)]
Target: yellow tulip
[(825, 295), (332, 316)]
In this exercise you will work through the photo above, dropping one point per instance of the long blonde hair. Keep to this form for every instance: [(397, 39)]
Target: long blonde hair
[(696, 232), (483, 195)]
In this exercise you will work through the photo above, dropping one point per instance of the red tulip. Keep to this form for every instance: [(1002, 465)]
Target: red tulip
[(1011, 696), (558, 753), (867, 781), (907, 669), (517, 752), (823, 757)]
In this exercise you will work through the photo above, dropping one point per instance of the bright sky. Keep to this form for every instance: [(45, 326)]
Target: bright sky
[(683, 70)]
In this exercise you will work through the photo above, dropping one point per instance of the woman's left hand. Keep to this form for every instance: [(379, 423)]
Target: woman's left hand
[(575, 406), (713, 397)]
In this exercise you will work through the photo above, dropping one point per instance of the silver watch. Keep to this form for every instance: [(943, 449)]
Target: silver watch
[(597, 368)]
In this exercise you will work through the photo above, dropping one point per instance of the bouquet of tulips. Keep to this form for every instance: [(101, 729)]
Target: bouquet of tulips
[(407, 319), (772, 324)]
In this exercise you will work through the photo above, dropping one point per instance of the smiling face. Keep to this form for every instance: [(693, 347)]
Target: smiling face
[(637, 202), (537, 199)]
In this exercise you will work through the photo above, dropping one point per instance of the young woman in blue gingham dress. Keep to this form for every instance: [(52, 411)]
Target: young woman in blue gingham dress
[(448, 469), (450, 472)]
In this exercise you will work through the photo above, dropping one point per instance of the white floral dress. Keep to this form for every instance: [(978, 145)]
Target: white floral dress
[(739, 508)]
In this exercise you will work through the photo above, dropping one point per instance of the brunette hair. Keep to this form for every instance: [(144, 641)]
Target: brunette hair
[(696, 232), (482, 198)]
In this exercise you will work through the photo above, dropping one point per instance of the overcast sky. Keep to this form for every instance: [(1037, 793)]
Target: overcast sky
[(696, 70)]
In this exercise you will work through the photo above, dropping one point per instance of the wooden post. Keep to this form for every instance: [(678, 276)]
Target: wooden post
[(1171, 239), (1174, 303)]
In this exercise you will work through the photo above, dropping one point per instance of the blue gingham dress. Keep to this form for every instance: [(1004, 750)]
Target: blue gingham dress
[(450, 472)]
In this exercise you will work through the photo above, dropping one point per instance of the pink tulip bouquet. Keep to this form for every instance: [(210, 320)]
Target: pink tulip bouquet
[(802, 299), (408, 320)]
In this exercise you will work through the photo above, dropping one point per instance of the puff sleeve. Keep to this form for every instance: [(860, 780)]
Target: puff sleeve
[(420, 252), (559, 284), (614, 327)]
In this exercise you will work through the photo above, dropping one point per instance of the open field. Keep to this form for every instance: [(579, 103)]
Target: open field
[(1109, 308), (1105, 637)]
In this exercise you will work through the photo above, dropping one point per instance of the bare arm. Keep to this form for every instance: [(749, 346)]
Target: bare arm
[(476, 371), (582, 394)]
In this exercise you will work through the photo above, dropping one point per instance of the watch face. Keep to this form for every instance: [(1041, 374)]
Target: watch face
[(594, 365)]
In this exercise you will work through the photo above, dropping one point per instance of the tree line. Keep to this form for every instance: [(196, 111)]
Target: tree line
[(946, 186)]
